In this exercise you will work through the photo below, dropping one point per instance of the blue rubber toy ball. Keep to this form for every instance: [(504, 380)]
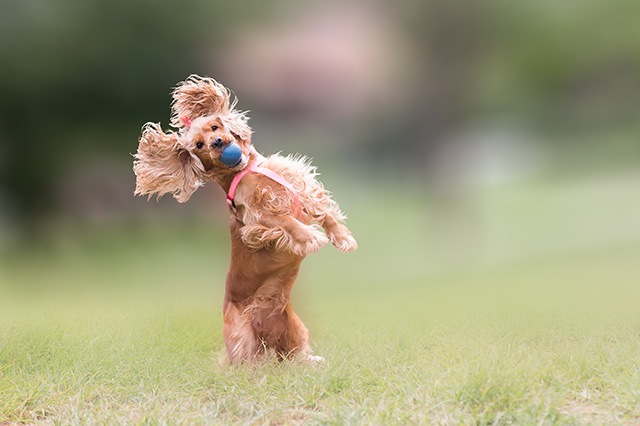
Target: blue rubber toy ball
[(231, 155)]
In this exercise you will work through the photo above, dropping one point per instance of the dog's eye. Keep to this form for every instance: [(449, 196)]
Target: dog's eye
[(214, 128), (199, 145)]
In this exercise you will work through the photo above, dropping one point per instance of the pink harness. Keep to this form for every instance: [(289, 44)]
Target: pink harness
[(265, 172)]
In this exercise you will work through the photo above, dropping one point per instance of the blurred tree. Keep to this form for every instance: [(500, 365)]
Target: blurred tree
[(539, 62), (81, 77)]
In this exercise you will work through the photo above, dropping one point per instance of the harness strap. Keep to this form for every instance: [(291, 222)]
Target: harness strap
[(265, 172)]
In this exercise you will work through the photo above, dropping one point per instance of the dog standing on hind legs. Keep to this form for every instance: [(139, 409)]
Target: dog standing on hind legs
[(279, 210)]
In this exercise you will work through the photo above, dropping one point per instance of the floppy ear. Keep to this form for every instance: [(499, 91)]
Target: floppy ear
[(202, 96), (198, 97), (236, 122), (163, 166)]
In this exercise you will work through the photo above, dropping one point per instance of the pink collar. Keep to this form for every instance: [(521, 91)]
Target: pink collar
[(263, 171)]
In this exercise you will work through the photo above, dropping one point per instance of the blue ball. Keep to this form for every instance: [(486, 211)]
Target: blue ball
[(231, 155)]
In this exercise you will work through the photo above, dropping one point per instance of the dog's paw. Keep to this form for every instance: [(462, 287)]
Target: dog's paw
[(343, 240), (308, 242), (346, 244), (314, 360)]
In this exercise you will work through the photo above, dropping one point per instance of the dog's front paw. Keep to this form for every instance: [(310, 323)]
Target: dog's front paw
[(308, 241), (346, 244), (343, 240)]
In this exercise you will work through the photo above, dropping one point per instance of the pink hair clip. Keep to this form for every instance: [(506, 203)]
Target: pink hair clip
[(186, 121)]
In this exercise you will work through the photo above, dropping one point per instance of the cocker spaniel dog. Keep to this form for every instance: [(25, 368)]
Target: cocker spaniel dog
[(278, 211)]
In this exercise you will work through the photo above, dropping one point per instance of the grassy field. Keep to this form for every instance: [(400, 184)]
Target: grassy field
[(532, 320)]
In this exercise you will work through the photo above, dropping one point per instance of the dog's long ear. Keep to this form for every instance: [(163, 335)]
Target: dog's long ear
[(201, 96), (236, 122), (198, 97), (163, 166)]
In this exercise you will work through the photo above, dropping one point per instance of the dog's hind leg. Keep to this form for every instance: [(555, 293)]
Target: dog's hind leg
[(239, 337), (294, 344)]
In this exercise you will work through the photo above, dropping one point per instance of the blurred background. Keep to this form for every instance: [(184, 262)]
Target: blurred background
[(458, 136)]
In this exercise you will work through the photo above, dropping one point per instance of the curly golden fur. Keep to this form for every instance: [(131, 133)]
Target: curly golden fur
[(271, 230)]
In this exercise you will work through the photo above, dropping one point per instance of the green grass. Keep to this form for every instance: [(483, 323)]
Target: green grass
[(538, 323)]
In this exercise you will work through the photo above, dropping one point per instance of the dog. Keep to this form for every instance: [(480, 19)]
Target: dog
[(279, 211)]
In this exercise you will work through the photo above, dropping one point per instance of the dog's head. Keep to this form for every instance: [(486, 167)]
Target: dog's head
[(217, 146), (213, 142)]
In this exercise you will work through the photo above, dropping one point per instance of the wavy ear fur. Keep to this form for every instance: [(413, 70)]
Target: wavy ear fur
[(203, 96), (198, 97), (236, 122), (163, 166)]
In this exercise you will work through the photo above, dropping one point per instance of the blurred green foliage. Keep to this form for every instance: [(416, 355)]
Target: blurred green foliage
[(78, 79), (82, 77)]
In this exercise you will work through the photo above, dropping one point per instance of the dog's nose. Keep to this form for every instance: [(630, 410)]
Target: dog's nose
[(217, 143)]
